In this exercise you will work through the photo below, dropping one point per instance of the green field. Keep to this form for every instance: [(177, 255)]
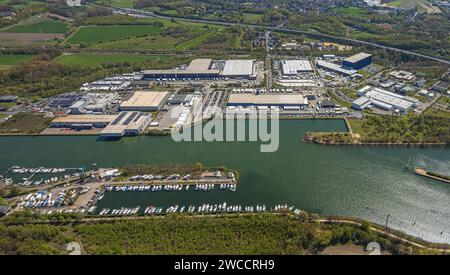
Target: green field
[(117, 3), (252, 17), (46, 26), (98, 59), (96, 34), (352, 11), (14, 59), (195, 42), (153, 42)]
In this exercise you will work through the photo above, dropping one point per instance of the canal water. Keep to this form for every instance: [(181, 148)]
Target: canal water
[(364, 182)]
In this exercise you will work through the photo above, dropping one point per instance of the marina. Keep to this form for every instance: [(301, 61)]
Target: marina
[(170, 187), (201, 209), (362, 182), (47, 175)]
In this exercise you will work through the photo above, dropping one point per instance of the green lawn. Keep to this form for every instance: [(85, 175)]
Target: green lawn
[(14, 59), (98, 59), (46, 26), (96, 34)]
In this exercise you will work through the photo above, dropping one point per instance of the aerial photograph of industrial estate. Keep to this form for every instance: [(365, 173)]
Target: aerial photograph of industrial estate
[(236, 127)]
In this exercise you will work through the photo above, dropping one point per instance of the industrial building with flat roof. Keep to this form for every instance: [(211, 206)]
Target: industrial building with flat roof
[(269, 100), (402, 75), (204, 69), (198, 68), (335, 68), (82, 121), (357, 61), (382, 99), (199, 64), (294, 67), (239, 68), (126, 124), (145, 101)]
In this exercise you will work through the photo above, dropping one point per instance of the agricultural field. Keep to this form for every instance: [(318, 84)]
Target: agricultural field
[(98, 59), (45, 26), (100, 34), (7, 38), (7, 60), (144, 34)]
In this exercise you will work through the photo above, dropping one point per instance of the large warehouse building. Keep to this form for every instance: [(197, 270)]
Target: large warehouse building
[(80, 122), (206, 69), (126, 124), (145, 101), (269, 100), (198, 68), (357, 61), (384, 100), (239, 69), (294, 67)]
